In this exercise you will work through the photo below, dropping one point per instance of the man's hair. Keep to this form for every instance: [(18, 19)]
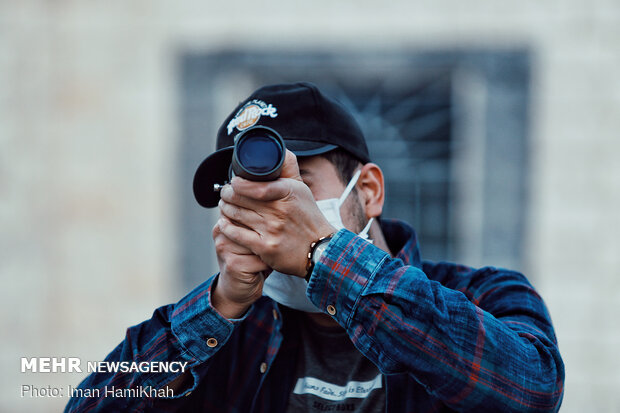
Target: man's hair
[(344, 162)]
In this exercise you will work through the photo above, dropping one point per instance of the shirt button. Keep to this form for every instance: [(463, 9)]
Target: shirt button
[(331, 310), (275, 314), (263, 367), (211, 342)]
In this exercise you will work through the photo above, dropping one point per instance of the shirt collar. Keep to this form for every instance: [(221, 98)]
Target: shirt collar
[(402, 241)]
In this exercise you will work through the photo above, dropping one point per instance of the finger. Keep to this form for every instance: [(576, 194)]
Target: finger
[(229, 195), (240, 235), (237, 214), (290, 168), (266, 191), (249, 264), (224, 244), (262, 191)]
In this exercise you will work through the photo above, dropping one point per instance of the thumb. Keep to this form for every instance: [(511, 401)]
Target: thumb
[(290, 168)]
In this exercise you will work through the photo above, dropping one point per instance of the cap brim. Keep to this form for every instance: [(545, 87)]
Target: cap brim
[(308, 148), (213, 170)]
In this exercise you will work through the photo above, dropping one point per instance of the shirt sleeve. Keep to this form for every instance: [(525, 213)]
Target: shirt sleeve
[(190, 331), (487, 347)]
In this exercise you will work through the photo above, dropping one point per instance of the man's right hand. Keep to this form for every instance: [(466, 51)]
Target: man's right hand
[(241, 278)]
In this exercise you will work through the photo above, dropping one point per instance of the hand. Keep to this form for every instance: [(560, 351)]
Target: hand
[(241, 278), (276, 220)]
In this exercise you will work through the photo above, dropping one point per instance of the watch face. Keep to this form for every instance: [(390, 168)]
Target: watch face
[(318, 251)]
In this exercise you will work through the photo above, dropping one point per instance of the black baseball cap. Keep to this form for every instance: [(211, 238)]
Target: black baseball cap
[(310, 123)]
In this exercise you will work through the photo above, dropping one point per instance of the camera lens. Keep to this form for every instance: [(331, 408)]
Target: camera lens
[(258, 154)]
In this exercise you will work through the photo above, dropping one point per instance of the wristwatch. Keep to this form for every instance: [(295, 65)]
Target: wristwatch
[(316, 250)]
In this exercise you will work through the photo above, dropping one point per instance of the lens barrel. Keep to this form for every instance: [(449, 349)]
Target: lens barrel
[(258, 154)]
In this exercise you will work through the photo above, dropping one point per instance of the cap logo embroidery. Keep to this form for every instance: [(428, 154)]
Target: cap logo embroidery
[(249, 115)]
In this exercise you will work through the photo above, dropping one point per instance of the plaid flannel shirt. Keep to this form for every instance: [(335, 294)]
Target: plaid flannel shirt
[(446, 338)]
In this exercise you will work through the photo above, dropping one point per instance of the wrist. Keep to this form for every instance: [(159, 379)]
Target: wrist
[(227, 307), (325, 231)]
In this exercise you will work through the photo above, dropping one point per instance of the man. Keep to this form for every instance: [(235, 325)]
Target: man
[(319, 305)]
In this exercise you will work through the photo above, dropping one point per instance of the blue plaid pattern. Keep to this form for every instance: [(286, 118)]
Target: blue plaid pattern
[(446, 337)]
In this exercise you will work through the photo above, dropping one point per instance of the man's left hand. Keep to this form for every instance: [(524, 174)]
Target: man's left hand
[(276, 220)]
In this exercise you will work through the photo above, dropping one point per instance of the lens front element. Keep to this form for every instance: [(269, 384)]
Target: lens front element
[(258, 154)]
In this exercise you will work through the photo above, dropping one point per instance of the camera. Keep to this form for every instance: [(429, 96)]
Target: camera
[(258, 154)]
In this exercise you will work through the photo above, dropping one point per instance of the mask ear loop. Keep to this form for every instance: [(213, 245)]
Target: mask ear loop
[(343, 197), (364, 233), (349, 187)]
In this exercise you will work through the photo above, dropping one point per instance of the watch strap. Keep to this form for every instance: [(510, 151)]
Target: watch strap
[(310, 262)]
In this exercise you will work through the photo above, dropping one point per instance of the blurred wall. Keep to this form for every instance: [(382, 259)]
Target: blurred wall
[(89, 142)]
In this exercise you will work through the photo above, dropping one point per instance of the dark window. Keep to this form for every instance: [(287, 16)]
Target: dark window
[(447, 128)]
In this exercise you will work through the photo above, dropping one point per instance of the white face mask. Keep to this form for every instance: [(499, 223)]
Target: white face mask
[(331, 208), (291, 290)]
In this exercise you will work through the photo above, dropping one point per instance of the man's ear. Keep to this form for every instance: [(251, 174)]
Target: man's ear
[(371, 189)]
